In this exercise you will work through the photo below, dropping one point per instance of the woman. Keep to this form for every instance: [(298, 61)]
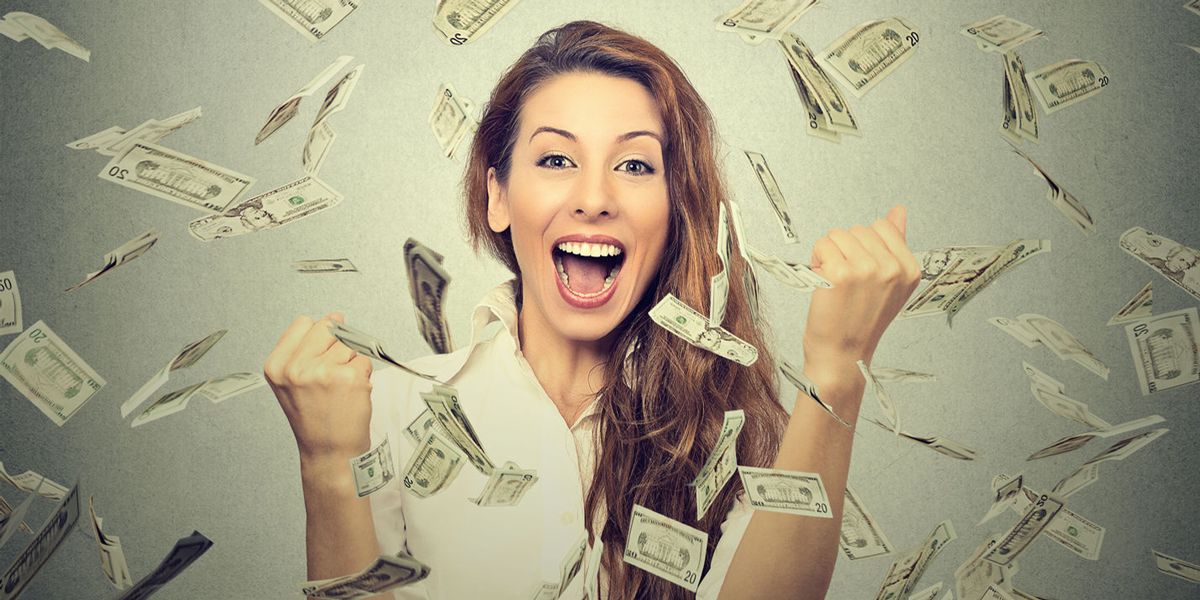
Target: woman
[(594, 134)]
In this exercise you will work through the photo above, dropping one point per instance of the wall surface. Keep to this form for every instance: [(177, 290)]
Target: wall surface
[(929, 139)]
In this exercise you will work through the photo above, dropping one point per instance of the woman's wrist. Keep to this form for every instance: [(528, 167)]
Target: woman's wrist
[(327, 473)]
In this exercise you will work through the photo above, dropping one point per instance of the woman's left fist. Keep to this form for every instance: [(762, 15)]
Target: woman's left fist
[(873, 273)]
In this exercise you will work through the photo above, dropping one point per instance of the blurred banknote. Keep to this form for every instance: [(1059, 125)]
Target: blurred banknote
[(386, 573), (150, 131), (906, 570), (325, 265), (1176, 567), (1077, 441), (861, 535), (428, 282), (48, 373), (433, 465), (112, 555), (941, 445), (34, 483), (19, 25), (828, 113), (460, 22), (967, 270), (25, 567), (365, 343), (1000, 33), (443, 403), (792, 492), (313, 18), (866, 54), (1139, 307), (177, 177), (795, 275), (1067, 204), (215, 390), (1179, 263), (294, 201), (1064, 83), (1020, 116), (186, 357), (1166, 350), (774, 195), (759, 20), (452, 119), (187, 549), (721, 463), (506, 486), (120, 255), (10, 304), (286, 110)]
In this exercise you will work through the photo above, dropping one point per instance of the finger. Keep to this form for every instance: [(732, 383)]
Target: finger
[(337, 316), (286, 346), (826, 255), (362, 363), (895, 242), (338, 354), (315, 342), (856, 254), (898, 216), (874, 245)]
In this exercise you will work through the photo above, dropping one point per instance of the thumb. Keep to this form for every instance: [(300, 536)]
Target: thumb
[(338, 316), (898, 216)]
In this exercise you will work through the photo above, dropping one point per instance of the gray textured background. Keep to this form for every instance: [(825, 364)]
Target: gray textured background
[(930, 140)]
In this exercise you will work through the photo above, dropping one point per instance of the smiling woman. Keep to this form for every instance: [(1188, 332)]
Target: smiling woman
[(594, 179)]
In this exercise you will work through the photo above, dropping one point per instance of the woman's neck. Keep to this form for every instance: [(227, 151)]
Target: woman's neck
[(570, 371)]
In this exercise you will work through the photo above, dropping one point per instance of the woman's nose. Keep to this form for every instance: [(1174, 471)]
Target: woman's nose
[(595, 198)]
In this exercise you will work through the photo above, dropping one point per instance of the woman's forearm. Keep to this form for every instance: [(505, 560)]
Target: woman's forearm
[(340, 531), (791, 556)]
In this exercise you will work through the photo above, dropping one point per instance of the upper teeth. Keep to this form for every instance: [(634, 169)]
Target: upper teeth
[(589, 249)]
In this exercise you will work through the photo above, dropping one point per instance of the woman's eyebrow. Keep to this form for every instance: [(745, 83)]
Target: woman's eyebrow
[(621, 138)]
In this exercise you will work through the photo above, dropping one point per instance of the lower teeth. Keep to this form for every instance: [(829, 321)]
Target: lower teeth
[(608, 281)]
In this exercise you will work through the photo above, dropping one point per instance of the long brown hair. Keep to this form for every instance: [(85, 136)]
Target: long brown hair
[(657, 427)]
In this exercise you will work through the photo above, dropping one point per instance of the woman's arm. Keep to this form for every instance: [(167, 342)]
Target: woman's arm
[(324, 389), (873, 274)]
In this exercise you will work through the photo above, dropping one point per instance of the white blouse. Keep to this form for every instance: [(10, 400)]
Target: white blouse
[(498, 552)]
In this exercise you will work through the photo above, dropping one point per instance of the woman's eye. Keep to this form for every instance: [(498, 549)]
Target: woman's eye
[(554, 161), (638, 167)]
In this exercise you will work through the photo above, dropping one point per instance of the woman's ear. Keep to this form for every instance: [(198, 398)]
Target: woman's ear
[(497, 214)]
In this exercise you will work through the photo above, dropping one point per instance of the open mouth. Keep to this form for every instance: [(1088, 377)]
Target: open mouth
[(587, 269)]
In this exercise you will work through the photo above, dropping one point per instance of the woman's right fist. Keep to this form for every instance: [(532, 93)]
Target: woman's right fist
[(324, 388)]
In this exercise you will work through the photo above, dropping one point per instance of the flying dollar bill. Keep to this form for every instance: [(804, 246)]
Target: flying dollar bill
[(718, 287), (797, 377), (316, 147), (760, 20), (1139, 307), (1023, 532), (48, 373), (1063, 343), (281, 206), (443, 403), (1020, 116), (1122, 449), (27, 564), (174, 176), (1081, 478), (215, 390), (868, 53), (42, 32), (689, 325), (1077, 441), (1000, 33), (792, 492), (666, 548), (428, 282), (1067, 204), (793, 274), (968, 271), (151, 131), (99, 140), (1004, 494), (14, 518), (941, 445), (373, 469), (452, 119), (434, 464), (861, 536), (1178, 263), (881, 396), (120, 255), (187, 549), (905, 571), (571, 564), (388, 572), (505, 486), (1051, 394), (189, 355), (774, 195), (325, 265), (365, 343), (34, 483), (1169, 565), (313, 18), (721, 463), (10, 304), (112, 555), (1166, 350), (1067, 82), (286, 110), (460, 22)]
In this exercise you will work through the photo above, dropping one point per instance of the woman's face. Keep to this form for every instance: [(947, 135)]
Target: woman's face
[(586, 201)]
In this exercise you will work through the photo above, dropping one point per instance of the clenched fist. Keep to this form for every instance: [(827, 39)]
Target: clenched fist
[(324, 388), (873, 273)]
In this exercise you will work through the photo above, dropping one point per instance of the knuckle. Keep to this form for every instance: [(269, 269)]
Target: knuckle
[(294, 374)]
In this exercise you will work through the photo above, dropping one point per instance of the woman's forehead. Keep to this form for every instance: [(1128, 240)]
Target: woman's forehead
[(592, 106)]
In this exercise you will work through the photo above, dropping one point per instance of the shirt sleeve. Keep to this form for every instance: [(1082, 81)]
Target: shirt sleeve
[(387, 387), (732, 530)]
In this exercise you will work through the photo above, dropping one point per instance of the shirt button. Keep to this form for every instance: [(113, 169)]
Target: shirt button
[(567, 518)]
